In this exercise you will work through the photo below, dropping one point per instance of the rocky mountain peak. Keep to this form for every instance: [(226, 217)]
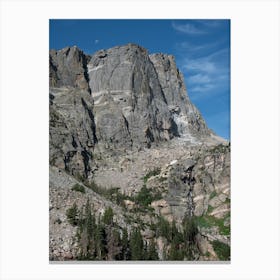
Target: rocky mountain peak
[(129, 152), (186, 116), (137, 101), (128, 96), (68, 67)]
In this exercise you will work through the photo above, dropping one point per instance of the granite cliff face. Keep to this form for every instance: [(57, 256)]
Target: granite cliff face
[(121, 119), (139, 100), (68, 67), (189, 121), (130, 107)]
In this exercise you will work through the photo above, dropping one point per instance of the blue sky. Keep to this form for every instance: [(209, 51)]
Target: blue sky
[(201, 49)]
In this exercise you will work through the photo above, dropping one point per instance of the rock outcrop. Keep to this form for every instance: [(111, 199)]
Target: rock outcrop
[(137, 100), (72, 131), (189, 121), (68, 68), (129, 105), (140, 100), (119, 120)]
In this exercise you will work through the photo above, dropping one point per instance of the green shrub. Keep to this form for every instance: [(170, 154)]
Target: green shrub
[(145, 197), (136, 245), (213, 194), (210, 221), (72, 215), (151, 173), (112, 194), (227, 200), (107, 218), (210, 209), (190, 229), (219, 149), (78, 188), (222, 250), (202, 221), (163, 228), (152, 254), (80, 177), (175, 253)]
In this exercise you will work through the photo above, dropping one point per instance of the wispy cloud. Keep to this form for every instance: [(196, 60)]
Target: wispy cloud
[(197, 27), (188, 28), (96, 41), (200, 65), (206, 74), (197, 49), (203, 55), (211, 23), (199, 78)]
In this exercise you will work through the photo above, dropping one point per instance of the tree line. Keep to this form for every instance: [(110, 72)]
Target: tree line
[(102, 239)]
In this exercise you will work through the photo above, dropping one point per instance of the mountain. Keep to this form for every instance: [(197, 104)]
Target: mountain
[(125, 136)]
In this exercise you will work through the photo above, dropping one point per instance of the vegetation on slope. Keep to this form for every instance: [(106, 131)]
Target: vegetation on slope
[(101, 238)]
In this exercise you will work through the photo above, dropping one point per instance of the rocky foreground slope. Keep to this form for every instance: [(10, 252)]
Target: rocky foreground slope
[(135, 173)]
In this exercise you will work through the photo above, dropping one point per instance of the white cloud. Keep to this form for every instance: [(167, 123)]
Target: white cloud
[(213, 64), (211, 23), (188, 28), (202, 88), (206, 75), (199, 78), (96, 41), (194, 49), (200, 65)]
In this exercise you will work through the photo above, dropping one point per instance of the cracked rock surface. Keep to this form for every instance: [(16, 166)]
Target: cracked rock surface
[(122, 118)]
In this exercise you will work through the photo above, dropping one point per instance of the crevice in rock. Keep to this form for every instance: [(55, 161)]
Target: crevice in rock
[(127, 128), (92, 125), (149, 135), (67, 159), (156, 74), (189, 180), (74, 143), (85, 60), (86, 158)]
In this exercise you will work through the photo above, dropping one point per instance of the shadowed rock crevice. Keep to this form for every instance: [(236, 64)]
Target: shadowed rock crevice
[(92, 123)]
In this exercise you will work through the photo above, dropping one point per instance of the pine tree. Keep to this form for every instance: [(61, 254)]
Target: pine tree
[(145, 252), (113, 244), (100, 240), (175, 253), (190, 231), (125, 245), (108, 216), (72, 215), (163, 228), (152, 252), (86, 233), (136, 245), (90, 229)]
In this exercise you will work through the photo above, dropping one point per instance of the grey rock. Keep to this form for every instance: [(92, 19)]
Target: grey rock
[(129, 104), (148, 234), (215, 201), (72, 131), (137, 101), (189, 121), (68, 67), (114, 118)]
